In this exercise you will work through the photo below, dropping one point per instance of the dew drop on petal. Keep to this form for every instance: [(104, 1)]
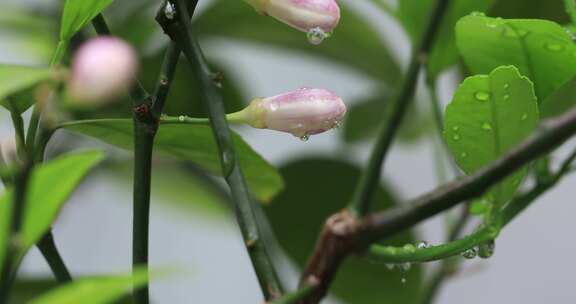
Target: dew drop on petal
[(316, 36)]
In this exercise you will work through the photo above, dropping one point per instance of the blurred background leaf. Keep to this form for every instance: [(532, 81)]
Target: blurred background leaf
[(315, 189), (414, 15), (194, 143)]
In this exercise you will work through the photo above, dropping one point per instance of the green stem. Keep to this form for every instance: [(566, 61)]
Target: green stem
[(18, 206), (50, 252), (180, 32), (362, 200), (294, 297), (146, 112), (390, 254), (18, 124)]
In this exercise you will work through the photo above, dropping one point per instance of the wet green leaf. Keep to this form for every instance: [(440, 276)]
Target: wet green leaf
[(489, 115), (542, 50)]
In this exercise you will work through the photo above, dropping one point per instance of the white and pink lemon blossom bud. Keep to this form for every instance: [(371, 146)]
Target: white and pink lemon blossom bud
[(102, 69), (302, 113), (318, 18)]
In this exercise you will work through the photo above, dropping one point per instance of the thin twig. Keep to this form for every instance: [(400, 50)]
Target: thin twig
[(344, 234), (179, 30), (362, 200)]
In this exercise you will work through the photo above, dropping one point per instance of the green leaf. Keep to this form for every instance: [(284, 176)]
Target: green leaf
[(193, 143), (26, 289), (77, 13), (50, 186), (354, 43), (15, 80), (542, 50), (94, 290), (316, 189), (489, 115), (414, 15), (571, 10)]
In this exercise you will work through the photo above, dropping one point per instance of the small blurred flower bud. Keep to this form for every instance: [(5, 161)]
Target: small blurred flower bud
[(302, 112), (102, 69), (318, 18), (8, 151)]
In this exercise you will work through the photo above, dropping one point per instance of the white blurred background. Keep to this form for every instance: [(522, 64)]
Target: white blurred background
[(534, 259)]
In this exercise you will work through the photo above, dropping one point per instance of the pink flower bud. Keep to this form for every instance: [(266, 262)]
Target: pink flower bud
[(302, 112), (102, 69), (315, 17)]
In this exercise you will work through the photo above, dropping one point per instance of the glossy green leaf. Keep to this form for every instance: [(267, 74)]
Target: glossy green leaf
[(193, 143), (15, 80), (94, 290), (354, 43), (489, 115), (77, 13), (317, 188), (414, 15), (542, 50)]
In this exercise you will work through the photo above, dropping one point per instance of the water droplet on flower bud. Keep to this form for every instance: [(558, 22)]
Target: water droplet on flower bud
[(316, 36)]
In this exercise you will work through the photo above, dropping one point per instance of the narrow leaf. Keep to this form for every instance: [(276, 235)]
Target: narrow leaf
[(50, 186), (77, 13), (94, 290), (489, 115), (15, 80)]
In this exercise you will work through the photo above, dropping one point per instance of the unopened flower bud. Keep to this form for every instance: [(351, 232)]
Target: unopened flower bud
[(318, 18), (102, 69), (302, 112)]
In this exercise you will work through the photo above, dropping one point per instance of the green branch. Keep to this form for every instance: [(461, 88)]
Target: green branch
[(363, 195), (179, 30), (145, 116)]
